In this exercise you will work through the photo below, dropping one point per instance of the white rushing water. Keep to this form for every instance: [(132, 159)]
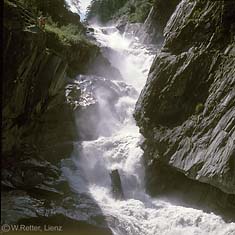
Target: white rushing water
[(118, 148)]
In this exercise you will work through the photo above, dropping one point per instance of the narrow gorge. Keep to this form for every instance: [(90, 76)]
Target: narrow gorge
[(119, 120)]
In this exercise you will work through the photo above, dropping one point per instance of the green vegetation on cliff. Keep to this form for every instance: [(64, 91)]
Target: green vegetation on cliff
[(67, 35), (105, 10), (63, 33), (136, 11), (58, 10), (59, 20)]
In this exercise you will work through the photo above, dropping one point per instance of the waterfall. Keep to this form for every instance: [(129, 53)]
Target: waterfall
[(118, 147)]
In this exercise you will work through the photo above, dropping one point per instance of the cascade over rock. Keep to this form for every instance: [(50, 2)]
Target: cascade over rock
[(71, 147), (116, 147)]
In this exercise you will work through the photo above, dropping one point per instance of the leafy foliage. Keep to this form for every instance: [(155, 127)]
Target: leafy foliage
[(199, 108), (137, 11), (60, 21), (58, 10), (68, 35), (105, 10)]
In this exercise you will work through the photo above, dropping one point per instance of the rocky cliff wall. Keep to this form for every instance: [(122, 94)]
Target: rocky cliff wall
[(152, 29), (186, 110), (38, 125), (36, 69)]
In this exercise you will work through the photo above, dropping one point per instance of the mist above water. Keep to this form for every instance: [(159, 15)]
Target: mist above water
[(117, 147), (83, 5)]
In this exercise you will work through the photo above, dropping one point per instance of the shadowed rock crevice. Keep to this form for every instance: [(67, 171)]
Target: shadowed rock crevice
[(180, 189), (153, 27)]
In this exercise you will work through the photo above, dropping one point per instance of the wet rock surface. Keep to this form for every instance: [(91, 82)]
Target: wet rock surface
[(71, 212), (186, 109)]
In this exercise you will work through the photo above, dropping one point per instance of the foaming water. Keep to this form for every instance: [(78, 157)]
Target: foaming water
[(118, 148)]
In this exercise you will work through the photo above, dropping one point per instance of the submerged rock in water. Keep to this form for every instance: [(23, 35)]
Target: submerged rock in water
[(116, 185)]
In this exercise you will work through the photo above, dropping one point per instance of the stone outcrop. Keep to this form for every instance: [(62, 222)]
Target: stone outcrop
[(186, 110)]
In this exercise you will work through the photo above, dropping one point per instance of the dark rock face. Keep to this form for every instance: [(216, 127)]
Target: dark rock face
[(116, 185), (179, 189), (33, 98), (34, 101), (186, 109), (67, 224), (151, 32), (38, 124), (21, 208)]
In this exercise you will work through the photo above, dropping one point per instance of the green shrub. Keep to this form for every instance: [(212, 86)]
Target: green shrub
[(105, 10), (199, 108), (67, 34)]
